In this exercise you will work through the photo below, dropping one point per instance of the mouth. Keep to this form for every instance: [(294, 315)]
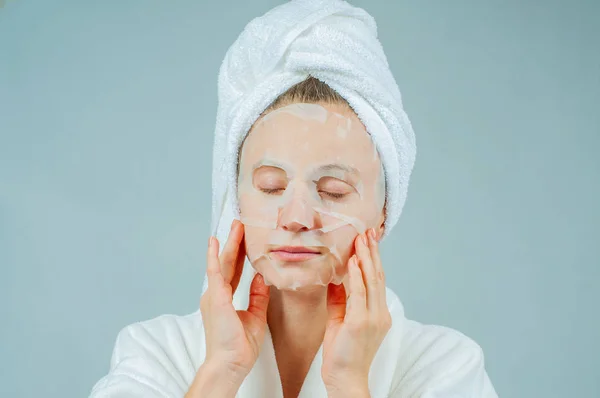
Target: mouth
[(295, 253)]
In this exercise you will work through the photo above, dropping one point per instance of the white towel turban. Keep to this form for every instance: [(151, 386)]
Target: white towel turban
[(334, 42)]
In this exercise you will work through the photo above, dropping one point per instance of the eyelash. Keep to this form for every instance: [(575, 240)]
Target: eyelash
[(330, 194), (334, 195), (272, 190)]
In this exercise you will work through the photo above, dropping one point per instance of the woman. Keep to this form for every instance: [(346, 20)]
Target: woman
[(312, 158)]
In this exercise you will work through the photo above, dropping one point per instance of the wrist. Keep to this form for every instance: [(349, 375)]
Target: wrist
[(215, 380), (351, 386), (355, 391), (348, 388)]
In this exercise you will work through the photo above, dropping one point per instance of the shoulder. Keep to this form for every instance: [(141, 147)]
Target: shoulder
[(171, 333), (437, 361), (438, 348), (156, 357)]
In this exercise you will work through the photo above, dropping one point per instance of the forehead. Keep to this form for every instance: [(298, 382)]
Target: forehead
[(307, 134)]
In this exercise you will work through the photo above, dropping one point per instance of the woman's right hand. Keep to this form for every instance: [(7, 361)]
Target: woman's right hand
[(233, 338)]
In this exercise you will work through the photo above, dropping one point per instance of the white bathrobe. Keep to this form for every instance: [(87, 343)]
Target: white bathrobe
[(336, 43), (158, 358)]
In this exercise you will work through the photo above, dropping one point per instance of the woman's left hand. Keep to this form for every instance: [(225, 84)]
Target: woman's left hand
[(353, 335)]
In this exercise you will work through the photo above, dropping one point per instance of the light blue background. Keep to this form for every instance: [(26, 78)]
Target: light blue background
[(107, 110)]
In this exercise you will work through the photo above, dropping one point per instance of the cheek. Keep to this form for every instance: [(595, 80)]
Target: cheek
[(254, 206), (247, 203), (362, 213), (342, 242), (255, 239)]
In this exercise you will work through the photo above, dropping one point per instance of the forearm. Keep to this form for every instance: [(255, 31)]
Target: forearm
[(212, 381)]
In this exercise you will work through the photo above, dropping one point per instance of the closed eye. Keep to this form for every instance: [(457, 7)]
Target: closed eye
[(271, 191), (334, 195), (333, 188)]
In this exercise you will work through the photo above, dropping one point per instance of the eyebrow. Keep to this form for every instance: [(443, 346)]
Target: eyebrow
[(321, 169), (267, 162), (338, 166)]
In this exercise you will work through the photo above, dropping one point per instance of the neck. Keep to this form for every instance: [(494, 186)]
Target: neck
[(298, 317), (297, 321)]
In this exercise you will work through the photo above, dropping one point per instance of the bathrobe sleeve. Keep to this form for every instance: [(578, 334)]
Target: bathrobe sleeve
[(152, 359), (438, 362)]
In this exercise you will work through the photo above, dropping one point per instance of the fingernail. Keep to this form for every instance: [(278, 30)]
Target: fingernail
[(364, 239), (210, 241)]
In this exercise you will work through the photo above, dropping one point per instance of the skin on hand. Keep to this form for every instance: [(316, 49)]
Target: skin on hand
[(233, 337), (353, 335)]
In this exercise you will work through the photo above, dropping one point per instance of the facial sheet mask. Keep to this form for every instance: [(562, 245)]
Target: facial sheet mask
[(302, 198), (290, 269)]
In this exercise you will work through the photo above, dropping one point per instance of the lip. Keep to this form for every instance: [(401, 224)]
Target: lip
[(295, 253)]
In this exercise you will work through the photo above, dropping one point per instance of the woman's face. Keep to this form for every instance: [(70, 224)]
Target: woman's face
[(310, 180)]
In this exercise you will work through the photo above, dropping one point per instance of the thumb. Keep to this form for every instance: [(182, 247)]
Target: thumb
[(336, 303), (259, 298)]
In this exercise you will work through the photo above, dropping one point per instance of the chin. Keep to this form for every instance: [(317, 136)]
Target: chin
[(299, 276)]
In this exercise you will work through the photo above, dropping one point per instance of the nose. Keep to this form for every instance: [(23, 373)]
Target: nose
[(297, 216)]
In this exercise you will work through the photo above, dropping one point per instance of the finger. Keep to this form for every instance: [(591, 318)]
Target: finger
[(336, 303), (346, 283), (231, 249), (376, 258), (259, 298), (213, 267), (358, 295), (217, 288), (370, 278), (239, 264)]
